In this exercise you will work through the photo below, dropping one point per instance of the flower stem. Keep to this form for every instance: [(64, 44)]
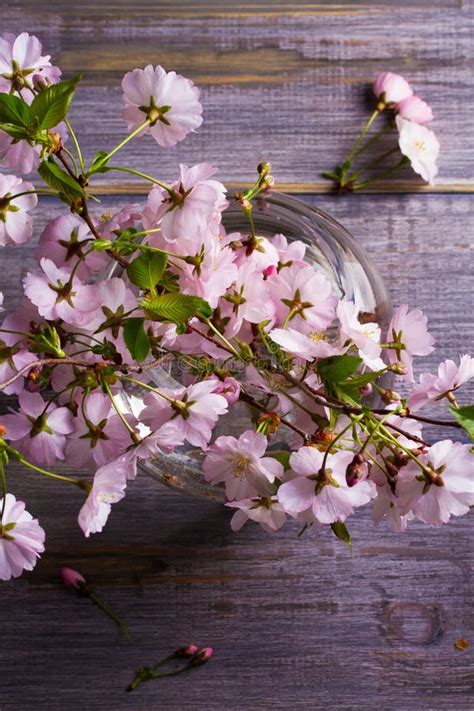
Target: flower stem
[(120, 145), (123, 627), (362, 135), (76, 144), (133, 435), (145, 176)]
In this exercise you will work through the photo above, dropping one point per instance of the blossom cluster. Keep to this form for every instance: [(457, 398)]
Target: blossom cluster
[(254, 320), (418, 145)]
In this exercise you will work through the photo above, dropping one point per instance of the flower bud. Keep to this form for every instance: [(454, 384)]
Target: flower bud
[(72, 578), (355, 470), (415, 109), (3, 430), (391, 88), (202, 656), (189, 650), (269, 271)]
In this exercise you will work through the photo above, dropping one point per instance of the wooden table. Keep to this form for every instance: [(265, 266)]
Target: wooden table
[(296, 623)]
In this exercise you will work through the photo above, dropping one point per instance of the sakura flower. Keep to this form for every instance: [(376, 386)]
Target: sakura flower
[(168, 99), (229, 388), (17, 155), (366, 336), (420, 145), (324, 494), (16, 226), (435, 387), (415, 109), (391, 88), (409, 335), (188, 413), (11, 363), (247, 299), (108, 487), (302, 345), (99, 434), (215, 274), (67, 238), (303, 298), (116, 300), (56, 297), (241, 465), (385, 505), (21, 64), (193, 210), (125, 218), (265, 510), (447, 487), (289, 252), (21, 539), (38, 431)]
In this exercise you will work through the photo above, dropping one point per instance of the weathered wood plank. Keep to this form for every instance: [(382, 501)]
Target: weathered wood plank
[(297, 623), (284, 82)]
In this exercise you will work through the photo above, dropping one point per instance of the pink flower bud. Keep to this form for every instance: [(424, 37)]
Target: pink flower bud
[(202, 656), (189, 650), (415, 109), (72, 578), (393, 86)]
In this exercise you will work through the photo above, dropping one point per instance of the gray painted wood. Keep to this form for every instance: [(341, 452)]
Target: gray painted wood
[(296, 623)]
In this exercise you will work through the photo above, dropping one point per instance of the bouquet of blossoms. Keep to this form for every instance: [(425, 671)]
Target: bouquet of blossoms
[(252, 321)]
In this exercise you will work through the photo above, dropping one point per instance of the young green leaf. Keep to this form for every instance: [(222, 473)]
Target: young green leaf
[(146, 270), (51, 105), (15, 111), (340, 531), (99, 164), (336, 369), (136, 338), (18, 132), (176, 308), (465, 416), (59, 180)]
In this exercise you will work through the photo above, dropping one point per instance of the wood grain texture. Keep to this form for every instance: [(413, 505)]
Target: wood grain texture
[(296, 623), (286, 82)]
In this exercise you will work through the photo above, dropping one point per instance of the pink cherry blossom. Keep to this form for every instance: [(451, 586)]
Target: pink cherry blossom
[(116, 300), (409, 329), (193, 211), (420, 145), (228, 388), (386, 502), (241, 465), (108, 487), (289, 252), (125, 218), (169, 99), (101, 436), (265, 510), (19, 156), (21, 63), (393, 87), (56, 297), (302, 345), (38, 432), (366, 336), (326, 494), (64, 240), (192, 414), (215, 274), (447, 491), (72, 578), (415, 109), (247, 299), (271, 384), (303, 298), (435, 387), (16, 226), (21, 539)]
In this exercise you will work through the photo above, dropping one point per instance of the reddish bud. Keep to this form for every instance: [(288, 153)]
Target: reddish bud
[(189, 650), (3, 430), (72, 578), (202, 656), (355, 470)]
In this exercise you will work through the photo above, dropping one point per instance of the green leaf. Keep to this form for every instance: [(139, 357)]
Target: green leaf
[(176, 308), (336, 369), (57, 178), (14, 110), (136, 339), (360, 380), (51, 105), (98, 165), (465, 416), (18, 132), (146, 270), (340, 531)]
